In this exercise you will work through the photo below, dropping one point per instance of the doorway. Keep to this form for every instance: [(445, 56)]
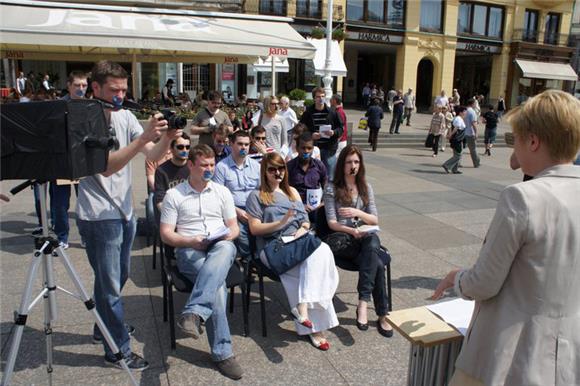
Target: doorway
[(424, 90)]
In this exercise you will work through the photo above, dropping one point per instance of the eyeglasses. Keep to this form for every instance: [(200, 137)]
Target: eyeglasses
[(181, 147), (273, 169)]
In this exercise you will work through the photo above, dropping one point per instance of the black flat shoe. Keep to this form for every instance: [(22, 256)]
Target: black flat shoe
[(383, 332), (359, 325)]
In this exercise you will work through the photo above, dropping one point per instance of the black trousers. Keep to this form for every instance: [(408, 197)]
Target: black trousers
[(435, 146)]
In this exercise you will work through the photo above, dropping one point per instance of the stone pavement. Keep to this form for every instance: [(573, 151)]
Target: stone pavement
[(431, 222)]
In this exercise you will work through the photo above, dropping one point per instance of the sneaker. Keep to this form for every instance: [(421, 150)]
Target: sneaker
[(63, 245), (230, 368), (445, 168), (442, 149), (190, 324), (134, 361), (457, 172), (99, 339)]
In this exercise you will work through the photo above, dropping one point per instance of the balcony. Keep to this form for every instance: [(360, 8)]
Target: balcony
[(533, 36)]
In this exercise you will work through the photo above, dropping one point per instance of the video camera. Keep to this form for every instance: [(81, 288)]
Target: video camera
[(174, 120)]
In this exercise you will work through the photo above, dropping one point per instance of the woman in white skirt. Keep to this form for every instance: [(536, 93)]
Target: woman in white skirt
[(276, 210)]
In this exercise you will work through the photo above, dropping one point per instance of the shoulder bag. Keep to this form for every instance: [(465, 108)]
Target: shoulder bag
[(284, 256)]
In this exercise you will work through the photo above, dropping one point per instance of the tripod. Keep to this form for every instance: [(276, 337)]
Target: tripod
[(47, 248)]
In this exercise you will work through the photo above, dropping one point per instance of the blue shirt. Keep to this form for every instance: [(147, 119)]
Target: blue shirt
[(469, 118), (240, 181), (225, 153)]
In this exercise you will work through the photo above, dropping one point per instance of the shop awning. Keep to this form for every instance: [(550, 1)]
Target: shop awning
[(337, 66), (58, 31), (545, 70), (265, 65)]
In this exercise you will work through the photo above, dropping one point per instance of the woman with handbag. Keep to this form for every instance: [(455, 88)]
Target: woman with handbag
[(275, 215), (456, 136), (349, 202), (437, 128)]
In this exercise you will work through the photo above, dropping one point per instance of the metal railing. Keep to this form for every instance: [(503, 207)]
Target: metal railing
[(533, 36)]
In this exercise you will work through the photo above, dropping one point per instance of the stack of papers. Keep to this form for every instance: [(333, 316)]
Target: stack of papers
[(369, 228), (218, 234), (454, 312)]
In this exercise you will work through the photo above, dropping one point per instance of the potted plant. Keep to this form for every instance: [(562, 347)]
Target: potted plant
[(317, 33), (297, 97), (339, 34)]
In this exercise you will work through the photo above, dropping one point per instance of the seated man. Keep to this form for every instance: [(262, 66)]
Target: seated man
[(240, 174), (192, 212), (308, 175), (258, 146), (172, 172), (220, 143)]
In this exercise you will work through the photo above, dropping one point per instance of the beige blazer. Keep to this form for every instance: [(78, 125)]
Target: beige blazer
[(525, 328)]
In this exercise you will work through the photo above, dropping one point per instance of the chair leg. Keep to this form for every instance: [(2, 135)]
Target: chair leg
[(389, 287), (171, 315), (262, 301), (244, 308), (155, 251), (165, 301)]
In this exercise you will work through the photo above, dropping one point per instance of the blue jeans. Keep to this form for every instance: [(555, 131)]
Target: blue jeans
[(243, 241), (108, 246), (59, 206), (208, 271), (328, 157)]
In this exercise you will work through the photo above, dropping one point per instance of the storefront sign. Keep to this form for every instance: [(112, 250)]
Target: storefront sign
[(13, 54), (231, 59), (278, 51), (228, 71), (376, 37), (478, 47)]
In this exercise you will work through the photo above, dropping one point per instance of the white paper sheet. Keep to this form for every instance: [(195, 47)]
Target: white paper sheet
[(455, 312), (221, 232), (314, 197), (324, 131), (369, 228)]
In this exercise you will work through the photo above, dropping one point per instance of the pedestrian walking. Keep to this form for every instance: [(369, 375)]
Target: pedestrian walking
[(437, 128), (455, 137), (490, 119), (375, 116), (471, 131), (397, 112), (500, 107)]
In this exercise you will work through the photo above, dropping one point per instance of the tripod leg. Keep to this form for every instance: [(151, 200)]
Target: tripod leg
[(48, 337), (90, 304), (20, 320)]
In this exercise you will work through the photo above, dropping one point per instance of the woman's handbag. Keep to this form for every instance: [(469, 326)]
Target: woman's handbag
[(429, 140), (284, 256), (342, 245), (363, 123)]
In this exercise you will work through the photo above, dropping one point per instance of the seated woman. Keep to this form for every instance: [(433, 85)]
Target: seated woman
[(349, 202), (276, 210)]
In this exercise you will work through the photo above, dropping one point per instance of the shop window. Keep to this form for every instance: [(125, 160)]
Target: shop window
[(431, 16), (480, 20), (530, 32), (551, 34), (273, 7), (389, 12), (195, 77), (309, 8)]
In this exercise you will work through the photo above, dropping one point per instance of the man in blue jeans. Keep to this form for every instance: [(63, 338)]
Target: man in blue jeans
[(105, 209), (199, 219)]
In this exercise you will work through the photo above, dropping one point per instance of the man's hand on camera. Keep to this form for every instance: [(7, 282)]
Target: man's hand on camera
[(155, 125), (173, 134)]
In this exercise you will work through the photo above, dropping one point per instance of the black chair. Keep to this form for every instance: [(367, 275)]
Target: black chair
[(252, 266), (153, 227), (172, 278)]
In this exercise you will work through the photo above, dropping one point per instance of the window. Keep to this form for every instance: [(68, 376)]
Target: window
[(273, 7), (552, 27), (195, 77), (389, 12), (480, 20), (431, 16), (530, 33), (309, 8)]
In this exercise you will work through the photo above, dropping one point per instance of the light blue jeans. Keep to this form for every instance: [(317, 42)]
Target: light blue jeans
[(208, 299), (328, 158), (108, 246)]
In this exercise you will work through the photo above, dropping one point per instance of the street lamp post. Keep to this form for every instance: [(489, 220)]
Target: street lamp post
[(327, 79)]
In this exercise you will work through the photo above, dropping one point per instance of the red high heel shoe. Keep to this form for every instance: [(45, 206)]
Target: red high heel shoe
[(301, 319), (322, 346)]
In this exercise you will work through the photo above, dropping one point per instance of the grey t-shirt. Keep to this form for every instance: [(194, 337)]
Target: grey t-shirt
[(331, 205), (96, 192), (276, 133), (202, 120), (275, 212)]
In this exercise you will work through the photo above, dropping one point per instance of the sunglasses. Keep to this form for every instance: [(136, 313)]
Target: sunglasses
[(260, 138), (273, 169), (181, 147)]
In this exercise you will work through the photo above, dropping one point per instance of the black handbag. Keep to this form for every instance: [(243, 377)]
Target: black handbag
[(342, 245), (285, 256), (429, 140)]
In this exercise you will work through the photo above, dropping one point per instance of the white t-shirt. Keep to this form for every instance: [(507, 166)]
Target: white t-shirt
[(459, 123)]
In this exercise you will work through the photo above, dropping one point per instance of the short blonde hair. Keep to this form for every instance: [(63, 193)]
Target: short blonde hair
[(554, 117)]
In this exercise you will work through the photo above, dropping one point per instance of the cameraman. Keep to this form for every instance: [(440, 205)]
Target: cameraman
[(209, 119), (105, 209)]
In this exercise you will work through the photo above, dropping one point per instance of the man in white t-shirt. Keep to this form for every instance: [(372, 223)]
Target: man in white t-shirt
[(199, 219), (288, 116)]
